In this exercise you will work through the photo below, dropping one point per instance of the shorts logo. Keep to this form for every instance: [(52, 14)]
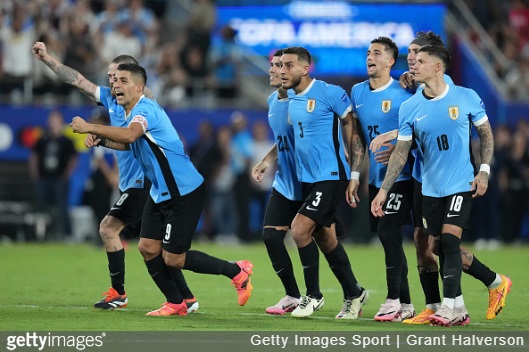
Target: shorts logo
[(424, 223), (311, 104), (386, 106), (453, 112)]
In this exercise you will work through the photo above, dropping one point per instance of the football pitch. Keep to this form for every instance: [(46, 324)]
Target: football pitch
[(52, 287)]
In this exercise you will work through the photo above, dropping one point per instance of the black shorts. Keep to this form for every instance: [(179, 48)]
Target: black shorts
[(280, 211), (174, 222), (322, 199), (417, 203), (397, 208), (129, 209), (454, 210)]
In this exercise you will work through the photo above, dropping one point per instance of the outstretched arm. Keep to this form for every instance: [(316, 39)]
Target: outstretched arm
[(66, 74), (117, 138), (486, 139)]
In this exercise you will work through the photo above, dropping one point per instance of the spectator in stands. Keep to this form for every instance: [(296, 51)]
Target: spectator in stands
[(51, 163), (515, 177), (225, 60), (121, 41), (16, 38), (142, 19), (519, 20), (517, 80), (241, 158)]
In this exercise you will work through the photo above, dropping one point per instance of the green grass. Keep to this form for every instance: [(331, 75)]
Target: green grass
[(51, 287)]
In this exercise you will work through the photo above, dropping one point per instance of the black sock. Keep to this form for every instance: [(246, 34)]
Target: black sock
[(341, 267), (274, 241), (202, 263), (181, 283), (161, 275), (481, 272), (391, 238), (309, 256), (116, 267), (404, 293), (430, 285), (452, 266)]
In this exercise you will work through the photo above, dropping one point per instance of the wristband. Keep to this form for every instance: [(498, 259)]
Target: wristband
[(102, 142), (355, 175), (484, 168)]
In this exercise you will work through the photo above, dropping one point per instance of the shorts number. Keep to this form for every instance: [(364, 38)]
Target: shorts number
[(457, 202), (167, 236), (394, 201), (316, 201), (122, 199)]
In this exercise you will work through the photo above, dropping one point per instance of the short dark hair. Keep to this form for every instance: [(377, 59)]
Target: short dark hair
[(135, 70), (438, 51), (124, 59), (278, 52), (302, 53), (389, 44), (427, 38)]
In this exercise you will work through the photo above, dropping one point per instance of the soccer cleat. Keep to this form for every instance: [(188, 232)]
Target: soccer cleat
[(450, 317), (191, 304), (242, 281), (169, 309), (112, 300), (352, 308), (307, 306), (389, 311), (423, 318), (285, 305), (497, 297), (407, 312)]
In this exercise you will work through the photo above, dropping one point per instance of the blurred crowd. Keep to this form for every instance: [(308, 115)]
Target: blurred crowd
[(182, 60), (507, 23)]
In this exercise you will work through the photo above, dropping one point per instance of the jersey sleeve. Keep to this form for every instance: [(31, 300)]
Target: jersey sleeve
[(103, 95), (141, 117), (339, 100), (405, 124), (477, 108)]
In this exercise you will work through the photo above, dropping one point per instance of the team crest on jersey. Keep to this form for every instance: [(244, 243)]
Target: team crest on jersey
[(453, 112), (311, 104), (386, 106)]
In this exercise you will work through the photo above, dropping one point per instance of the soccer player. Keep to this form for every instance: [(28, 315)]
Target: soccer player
[(440, 116), (315, 110), (124, 218), (376, 102), (426, 247), (176, 197), (285, 201)]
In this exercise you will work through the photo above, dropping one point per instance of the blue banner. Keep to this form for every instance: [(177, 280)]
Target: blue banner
[(336, 33)]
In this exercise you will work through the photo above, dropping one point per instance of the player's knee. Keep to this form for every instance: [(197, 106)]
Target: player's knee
[(389, 232), (108, 229), (450, 243), (273, 235), (174, 260), (148, 249)]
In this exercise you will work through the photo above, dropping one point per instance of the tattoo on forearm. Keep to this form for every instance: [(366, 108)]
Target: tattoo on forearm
[(486, 142), (398, 159)]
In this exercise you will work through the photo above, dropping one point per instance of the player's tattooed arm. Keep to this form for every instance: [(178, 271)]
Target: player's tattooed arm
[(70, 76), (358, 147), (398, 159), (486, 139)]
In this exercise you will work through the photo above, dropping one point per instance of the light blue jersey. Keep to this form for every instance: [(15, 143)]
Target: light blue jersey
[(315, 116), (130, 172), (161, 155), (378, 113), (417, 153), (285, 181), (442, 126)]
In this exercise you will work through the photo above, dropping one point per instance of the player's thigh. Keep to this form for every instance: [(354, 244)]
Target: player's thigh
[(321, 200), (280, 211), (129, 207)]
